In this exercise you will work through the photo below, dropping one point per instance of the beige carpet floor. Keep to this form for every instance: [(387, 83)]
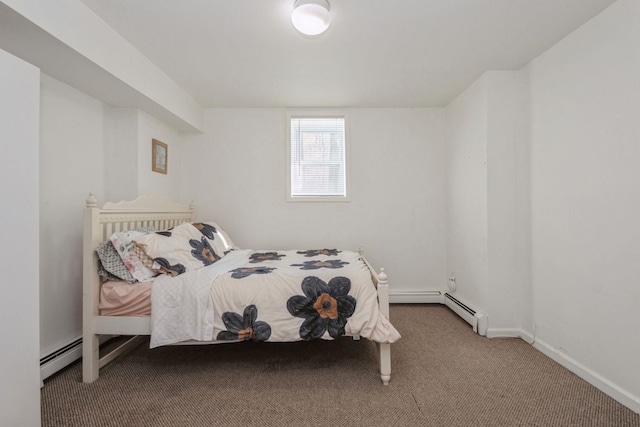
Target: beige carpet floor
[(443, 375)]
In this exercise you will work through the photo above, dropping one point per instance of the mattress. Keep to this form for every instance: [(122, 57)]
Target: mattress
[(125, 299)]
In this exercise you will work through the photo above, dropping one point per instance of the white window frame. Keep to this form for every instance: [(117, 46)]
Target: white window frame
[(318, 114)]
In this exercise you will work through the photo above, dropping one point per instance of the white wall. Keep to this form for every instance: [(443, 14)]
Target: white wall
[(127, 148), (19, 370), (71, 165), (466, 205), (585, 157), (120, 151), (236, 173), (154, 182), (507, 223), (86, 146), (486, 176)]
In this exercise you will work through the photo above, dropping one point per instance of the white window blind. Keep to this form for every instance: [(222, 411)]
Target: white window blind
[(317, 157)]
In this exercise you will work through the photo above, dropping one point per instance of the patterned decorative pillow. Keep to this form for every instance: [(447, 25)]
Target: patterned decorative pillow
[(183, 248), (108, 276), (123, 242), (148, 262), (110, 264)]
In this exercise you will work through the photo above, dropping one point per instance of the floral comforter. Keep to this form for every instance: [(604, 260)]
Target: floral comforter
[(270, 296)]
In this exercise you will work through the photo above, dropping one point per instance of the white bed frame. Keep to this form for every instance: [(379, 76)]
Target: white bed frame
[(159, 212)]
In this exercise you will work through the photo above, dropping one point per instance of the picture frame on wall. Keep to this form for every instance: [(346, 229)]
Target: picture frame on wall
[(159, 157)]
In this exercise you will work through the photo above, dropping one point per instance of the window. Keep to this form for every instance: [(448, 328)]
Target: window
[(317, 157)]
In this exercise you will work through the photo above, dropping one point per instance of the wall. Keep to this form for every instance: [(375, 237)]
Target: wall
[(86, 146), (236, 174), (19, 112), (128, 156), (486, 176), (154, 182), (71, 165), (585, 200), (467, 234), (120, 150), (507, 221)]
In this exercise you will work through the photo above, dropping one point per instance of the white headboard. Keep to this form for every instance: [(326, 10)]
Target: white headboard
[(151, 210)]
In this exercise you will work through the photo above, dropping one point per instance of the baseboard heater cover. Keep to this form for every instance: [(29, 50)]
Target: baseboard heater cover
[(477, 320), (58, 359), (415, 297)]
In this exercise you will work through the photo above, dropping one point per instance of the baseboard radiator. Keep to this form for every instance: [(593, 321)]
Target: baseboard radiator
[(58, 359), (477, 320)]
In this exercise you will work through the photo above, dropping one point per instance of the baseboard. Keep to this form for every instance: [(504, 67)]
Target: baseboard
[(478, 320), (510, 333), (609, 388), (58, 359), (416, 297), (63, 356), (601, 383)]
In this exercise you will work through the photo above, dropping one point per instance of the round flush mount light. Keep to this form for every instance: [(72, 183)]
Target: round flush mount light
[(311, 17)]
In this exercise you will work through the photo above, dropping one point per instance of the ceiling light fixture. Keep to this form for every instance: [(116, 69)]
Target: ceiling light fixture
[(311, 17)]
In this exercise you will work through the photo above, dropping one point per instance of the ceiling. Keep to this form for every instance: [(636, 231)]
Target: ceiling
[(410, 53)]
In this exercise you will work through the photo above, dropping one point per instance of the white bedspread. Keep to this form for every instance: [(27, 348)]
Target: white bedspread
[(181, 306), (270, 296)]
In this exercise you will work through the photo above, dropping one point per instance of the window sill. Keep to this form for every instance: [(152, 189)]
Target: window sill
[(315, 199)]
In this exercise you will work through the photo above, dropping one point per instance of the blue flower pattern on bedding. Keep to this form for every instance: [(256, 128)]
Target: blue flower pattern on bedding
[(315, 265), (206, 229), (265, 256), (325, 307), (203, 251), (243, 272), (245, 327), (315, 252)]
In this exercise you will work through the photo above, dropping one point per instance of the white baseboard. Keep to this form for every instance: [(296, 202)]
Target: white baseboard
[(604, 385), (510, 333), (413, 297), (58, 359), (63, 357), (609, 388)]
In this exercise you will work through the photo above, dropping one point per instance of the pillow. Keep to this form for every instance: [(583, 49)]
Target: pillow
[(123, 242), (110, 264), (148, 262), (181, 248), (222, 244), (106, 275)]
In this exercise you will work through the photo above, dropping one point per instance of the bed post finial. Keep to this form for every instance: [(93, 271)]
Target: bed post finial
[(382, 277), (361, 251), (91, 201), (192, 205)]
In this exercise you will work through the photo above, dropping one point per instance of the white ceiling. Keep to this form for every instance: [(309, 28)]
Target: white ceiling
[(411, 53)]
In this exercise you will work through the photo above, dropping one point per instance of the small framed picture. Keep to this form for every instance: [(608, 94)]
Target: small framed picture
[(159, 157)]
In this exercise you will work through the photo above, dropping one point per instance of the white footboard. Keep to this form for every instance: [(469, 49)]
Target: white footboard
[(382, 284)]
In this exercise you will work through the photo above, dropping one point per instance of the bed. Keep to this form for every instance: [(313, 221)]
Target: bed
[(212, 292)]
